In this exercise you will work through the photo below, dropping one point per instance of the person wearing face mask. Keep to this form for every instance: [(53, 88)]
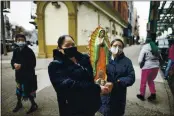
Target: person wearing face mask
[(120, 73), (71, 75), (23, 62)]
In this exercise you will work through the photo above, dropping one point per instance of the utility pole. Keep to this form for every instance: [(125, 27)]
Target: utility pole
[(3, 29)]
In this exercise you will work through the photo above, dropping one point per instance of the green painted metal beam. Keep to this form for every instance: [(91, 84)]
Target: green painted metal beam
[(169, 9), (161, 10)]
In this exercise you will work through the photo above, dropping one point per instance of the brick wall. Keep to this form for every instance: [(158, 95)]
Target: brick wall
[(122, 8)]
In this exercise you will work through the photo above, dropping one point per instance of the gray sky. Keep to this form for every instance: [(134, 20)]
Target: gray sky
[(21, 12), (143, 11)]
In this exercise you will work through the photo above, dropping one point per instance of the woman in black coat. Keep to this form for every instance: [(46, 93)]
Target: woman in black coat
[(23, 62), (71, 75)]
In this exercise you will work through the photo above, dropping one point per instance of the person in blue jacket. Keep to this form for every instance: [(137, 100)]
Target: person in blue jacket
[(71, 75), (121, 73)]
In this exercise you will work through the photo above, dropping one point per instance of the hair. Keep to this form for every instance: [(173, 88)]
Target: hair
[(153, 46), (62, 39), (171, 43), (148, 40), (113, 41), (20, 35), (153, 36)]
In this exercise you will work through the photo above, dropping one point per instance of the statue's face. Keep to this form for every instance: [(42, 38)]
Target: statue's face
[(102, 34)]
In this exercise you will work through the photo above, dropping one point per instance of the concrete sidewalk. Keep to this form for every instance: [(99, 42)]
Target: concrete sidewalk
[(164, 102), (41, 69)]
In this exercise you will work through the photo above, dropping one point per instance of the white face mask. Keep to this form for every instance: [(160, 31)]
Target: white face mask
[(21, 44), (116, 50)]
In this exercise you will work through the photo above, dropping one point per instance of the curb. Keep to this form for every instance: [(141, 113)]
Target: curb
[(170, 96)]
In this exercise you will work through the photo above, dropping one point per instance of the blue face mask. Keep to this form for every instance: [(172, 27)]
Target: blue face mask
[(21, 44)]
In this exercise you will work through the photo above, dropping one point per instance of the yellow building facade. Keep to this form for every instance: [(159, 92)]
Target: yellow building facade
[(78, 19)]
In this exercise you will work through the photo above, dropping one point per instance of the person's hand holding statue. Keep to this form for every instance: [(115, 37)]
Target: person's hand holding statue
[(109, 85), (104, 90)]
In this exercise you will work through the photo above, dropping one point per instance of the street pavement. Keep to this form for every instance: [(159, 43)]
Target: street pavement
[(46, 96)]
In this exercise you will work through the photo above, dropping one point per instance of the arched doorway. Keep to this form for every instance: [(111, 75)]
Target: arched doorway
[(53, 22), (56, 24)]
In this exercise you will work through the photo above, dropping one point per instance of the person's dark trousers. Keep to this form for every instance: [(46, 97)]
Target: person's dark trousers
[(34, 106), (18, 105), (170, 63), (32, 100), (63, 107), (19, 98), (90, 114), (115, 115)]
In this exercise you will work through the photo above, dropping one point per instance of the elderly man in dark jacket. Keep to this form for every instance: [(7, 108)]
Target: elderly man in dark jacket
[(121, 73)]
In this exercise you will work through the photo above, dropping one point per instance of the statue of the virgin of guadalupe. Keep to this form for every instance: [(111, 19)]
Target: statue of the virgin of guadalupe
[(99, 46)]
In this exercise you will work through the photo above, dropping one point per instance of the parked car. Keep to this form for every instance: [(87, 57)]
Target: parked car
[(164, 45), (9, 43)]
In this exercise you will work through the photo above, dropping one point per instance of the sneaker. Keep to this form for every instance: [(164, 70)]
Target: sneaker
[(141, 97), (152, 97), (32, 109), (18, 107)]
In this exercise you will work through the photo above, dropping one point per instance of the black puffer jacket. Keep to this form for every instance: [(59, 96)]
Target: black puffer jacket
[(120, 68), (74, 83)]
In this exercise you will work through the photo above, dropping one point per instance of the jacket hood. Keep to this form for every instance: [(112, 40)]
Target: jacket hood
[(57, 55)]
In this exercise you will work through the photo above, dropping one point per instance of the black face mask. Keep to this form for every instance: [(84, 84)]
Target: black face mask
[(70, 52)]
